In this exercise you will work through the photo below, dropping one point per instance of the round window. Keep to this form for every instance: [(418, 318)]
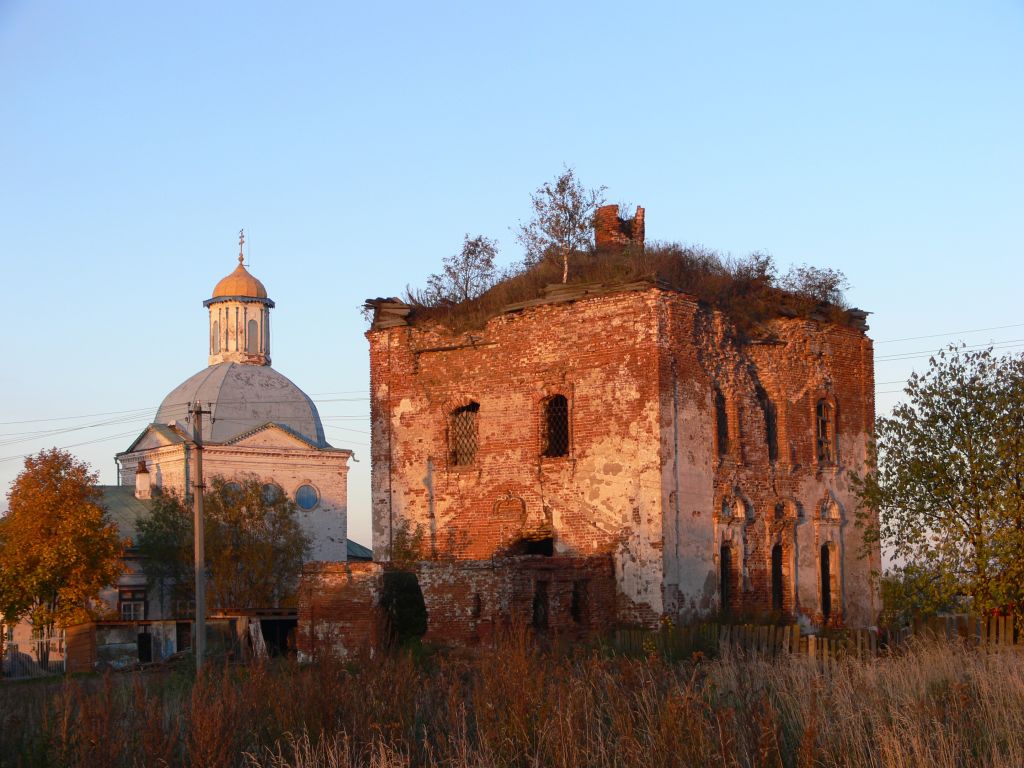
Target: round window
[(307, 497), (232, 489), (271, 493)]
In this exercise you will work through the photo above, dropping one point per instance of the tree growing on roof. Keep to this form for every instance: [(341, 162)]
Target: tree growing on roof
[(563, 219), (465, 275), (949, 483), (57, 548), (255, 546)]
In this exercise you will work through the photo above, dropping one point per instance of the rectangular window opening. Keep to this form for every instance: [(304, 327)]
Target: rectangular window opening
[(462, 435), (556, 426)]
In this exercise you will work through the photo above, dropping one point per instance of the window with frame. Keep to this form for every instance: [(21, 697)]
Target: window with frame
[(555, 426), (132, 604), (825, 432), (462, 432)]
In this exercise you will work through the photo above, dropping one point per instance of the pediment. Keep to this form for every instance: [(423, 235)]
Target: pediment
[(270, 436), (155, 436)]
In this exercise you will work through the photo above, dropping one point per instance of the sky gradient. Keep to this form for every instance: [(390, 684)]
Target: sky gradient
[(358, 143)]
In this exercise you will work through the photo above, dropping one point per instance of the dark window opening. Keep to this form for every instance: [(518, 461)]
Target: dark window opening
[(478, 606), (770, 424), (780, 511), (826, 583), (825, 431), (545, 547), (556, 426), (578, 606), (462, 435), (721, 423), (279, 636), (725, 578), (182, 636), (145, 644), (777, 591), (540, 605)]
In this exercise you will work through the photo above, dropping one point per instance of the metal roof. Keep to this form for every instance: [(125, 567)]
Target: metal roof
[(124, 509), (358, 551)]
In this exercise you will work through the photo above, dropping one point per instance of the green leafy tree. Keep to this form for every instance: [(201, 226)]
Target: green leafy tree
[(949, 483), (255, 546), (563, 219), (165, 548), (57, 547)]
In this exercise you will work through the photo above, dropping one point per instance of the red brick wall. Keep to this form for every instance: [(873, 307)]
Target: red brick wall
[(468, 601), (339, 609), (643, 483), (605, 495)]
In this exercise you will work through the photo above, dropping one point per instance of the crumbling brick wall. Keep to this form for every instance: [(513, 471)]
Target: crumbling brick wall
[(603, 497), (469, 602), (339, 609), (766, 486), (654, 477)]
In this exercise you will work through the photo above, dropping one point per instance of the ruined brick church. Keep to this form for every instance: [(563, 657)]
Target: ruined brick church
[(610, 453)]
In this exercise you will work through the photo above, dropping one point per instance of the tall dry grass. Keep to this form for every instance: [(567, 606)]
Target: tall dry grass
[(931, 705)]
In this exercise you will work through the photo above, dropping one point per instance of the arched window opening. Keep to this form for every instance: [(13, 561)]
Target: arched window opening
[(533, 546), (777, 587), (216, 337), (826, 582), (725, 579), (462, 435), (556, 426), (252, 339), (771, 435), (825, 432), (721, 423)]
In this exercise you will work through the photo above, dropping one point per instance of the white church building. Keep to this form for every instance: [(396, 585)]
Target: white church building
[(259, 424)]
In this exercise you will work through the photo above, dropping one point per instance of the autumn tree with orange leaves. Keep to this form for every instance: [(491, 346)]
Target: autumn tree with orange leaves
[(58, 550)]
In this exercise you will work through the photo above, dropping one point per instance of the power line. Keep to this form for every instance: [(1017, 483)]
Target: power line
[(1008, 344), (952, 333)]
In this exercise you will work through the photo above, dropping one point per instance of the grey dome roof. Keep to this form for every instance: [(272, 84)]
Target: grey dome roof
[(242, 397)]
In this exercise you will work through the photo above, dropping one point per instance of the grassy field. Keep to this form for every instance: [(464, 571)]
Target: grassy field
[(930, 705)]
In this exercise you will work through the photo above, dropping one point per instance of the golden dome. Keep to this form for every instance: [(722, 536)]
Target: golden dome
[(240, 283)]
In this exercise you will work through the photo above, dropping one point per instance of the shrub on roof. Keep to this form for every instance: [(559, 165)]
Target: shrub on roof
[(749, 290)]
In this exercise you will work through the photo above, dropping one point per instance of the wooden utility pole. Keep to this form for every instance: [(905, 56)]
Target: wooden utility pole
[(198, 486)]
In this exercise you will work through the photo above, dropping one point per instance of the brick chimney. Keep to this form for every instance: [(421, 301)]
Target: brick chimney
[(612, 233), (142, 489)]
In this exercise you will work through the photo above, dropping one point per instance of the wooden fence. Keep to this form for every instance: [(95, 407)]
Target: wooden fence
[(995, 633)]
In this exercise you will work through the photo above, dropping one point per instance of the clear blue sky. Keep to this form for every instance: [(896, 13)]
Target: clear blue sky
[(357, 143)]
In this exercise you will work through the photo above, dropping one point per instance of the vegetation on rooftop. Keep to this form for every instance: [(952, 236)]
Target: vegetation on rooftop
[(559, 248), (749, 290)]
